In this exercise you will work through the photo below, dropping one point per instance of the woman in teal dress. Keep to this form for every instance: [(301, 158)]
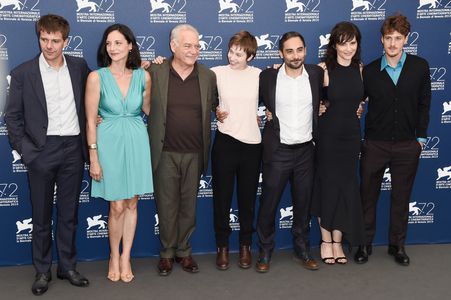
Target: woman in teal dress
[(119, 146)]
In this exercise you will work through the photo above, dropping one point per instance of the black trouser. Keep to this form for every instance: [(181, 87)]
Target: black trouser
[(402, 158), (234, 159), (292, 164), (60, 163)]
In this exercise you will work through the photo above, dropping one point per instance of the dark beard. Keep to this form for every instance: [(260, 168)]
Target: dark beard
[(293, 66)]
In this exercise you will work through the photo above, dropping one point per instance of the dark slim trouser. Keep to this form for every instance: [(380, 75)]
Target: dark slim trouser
[(402, 158), (176, 184), (293, 164), (232, 159), (60, 162)]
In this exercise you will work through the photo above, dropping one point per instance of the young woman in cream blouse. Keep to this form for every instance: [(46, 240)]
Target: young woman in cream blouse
[(236, 152)]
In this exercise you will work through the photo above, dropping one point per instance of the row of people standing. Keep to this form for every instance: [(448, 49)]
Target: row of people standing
[(121, 163), (288, 149), (183, 93), (398, 90)]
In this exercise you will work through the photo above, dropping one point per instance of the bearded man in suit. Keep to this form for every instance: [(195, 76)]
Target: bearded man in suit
[(292, 94)]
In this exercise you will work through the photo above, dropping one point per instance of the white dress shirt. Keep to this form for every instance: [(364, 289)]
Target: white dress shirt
[(59, 96), (294, 107)]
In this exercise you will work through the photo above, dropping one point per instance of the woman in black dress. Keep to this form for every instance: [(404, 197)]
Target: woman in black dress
[(336, 193)]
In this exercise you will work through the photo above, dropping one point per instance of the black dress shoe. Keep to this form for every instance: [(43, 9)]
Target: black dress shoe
[(361, 256), (41, 283), (74, 278), (400, 254)]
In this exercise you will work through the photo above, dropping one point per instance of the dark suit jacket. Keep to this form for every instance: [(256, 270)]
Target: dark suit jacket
[(157, 119), (26, 109), (267, 95)]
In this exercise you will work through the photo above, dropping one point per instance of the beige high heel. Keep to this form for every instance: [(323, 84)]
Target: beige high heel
[(113, 276), (127, 277)]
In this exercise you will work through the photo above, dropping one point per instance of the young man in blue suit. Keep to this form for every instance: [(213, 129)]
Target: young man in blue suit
[(46, 125)]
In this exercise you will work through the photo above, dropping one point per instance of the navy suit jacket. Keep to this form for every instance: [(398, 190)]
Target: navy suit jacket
[(267, 95), (26, 109)]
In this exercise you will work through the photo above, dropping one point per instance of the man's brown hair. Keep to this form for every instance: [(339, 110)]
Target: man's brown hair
[(53, 23), (397, 22)]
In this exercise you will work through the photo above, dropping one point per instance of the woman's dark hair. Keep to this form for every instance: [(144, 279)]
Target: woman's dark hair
[(134, 58), (341, 33), (246, 41)]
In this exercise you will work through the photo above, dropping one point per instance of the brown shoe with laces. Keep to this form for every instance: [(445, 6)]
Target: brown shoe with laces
[(165, 266), (188, 264)]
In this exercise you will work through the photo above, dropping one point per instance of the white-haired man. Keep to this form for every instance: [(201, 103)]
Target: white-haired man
[(183, 95)]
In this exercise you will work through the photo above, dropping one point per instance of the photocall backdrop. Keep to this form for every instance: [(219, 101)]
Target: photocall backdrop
[(216, 21)]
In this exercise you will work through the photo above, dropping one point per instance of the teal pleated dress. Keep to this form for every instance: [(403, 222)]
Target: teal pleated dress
[(122, 140)]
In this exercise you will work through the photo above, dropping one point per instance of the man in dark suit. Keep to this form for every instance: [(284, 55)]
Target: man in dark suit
[(398, 87), (292, 95), (183, 94), (46, 125)]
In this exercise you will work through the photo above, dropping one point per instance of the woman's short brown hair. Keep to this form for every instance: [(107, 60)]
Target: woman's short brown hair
[(246, 41)]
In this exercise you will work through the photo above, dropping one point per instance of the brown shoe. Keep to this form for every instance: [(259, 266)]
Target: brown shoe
[(222, 258), (245, 257), (262, 265), (165, 266), (306, 261), (188, 264)]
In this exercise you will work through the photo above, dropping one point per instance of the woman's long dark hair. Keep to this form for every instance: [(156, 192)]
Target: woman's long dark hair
[(133, 59), (341, 33)]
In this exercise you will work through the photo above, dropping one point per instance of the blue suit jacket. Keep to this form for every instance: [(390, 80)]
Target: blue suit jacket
[(26, 109)]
